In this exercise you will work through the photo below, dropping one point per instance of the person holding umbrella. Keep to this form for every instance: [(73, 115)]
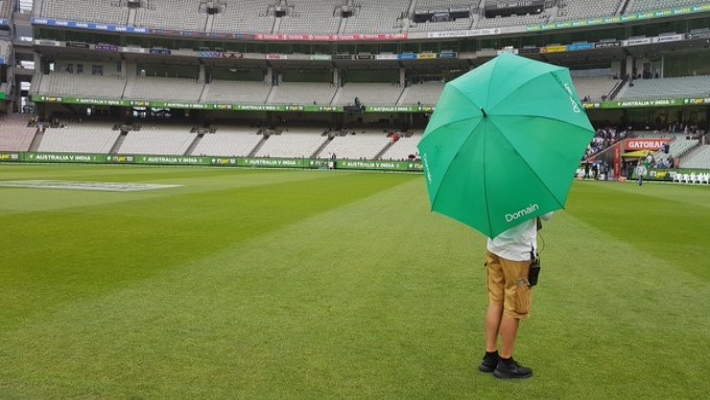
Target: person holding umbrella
[(508, 260), (500, 150)]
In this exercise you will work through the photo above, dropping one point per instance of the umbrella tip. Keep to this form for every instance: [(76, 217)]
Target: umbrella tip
[(484, 112)]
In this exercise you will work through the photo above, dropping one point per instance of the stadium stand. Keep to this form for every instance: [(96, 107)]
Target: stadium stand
[(163, 140), (443, 25), (303, 93), (240, 92), (79, 138), (426, 93), (159, 88), (403, 148), (297, 142), (635, 6), (357, 144), (228, 142), (368, 93), (104, 11), (15, 134), (666, 88), (699, 158), (172, 14), (594, 87), (243, 16), (312, 17), (78, 85), (377, 16)]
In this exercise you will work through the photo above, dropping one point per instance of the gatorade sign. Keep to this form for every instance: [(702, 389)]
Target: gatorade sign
[(645, 144)]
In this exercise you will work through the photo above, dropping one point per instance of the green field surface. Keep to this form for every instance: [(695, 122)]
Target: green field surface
[(283, 284)]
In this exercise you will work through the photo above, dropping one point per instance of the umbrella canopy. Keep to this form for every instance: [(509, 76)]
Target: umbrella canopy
[(504, 143)]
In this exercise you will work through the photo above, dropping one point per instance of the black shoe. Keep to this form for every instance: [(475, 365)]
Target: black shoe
[(489, 363), (511, 369)]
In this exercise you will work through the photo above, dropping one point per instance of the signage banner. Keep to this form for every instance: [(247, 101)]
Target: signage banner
[(645, 144), (407, 56), (250, 162), (553, 49), (165, 52), (671, 12), (466, 33), (108, 47), (668, 38), (379, 165), (580, 46), (274, 162), (64, 158), (637, 41), (9, 157), (604, 45), (90, 26)]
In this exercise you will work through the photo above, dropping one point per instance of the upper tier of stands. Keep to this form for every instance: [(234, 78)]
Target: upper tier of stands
[(687, 86), (649, 5), (82, 85), (60, 84), (324, 16), (104, 11)]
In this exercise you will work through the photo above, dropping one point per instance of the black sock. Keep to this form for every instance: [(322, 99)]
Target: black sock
[(506, 360), (491, 354)]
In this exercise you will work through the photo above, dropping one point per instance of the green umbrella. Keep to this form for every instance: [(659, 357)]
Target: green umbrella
[(503, 144)]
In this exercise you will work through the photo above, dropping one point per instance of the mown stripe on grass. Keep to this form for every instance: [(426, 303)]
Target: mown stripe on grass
[(58, 255)]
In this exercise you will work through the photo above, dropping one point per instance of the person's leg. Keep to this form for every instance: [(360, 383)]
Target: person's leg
[(517, 303), (496, 293), (508, 334), (493, 326)]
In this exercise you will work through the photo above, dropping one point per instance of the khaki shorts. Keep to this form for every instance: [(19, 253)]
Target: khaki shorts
[(508, 286)]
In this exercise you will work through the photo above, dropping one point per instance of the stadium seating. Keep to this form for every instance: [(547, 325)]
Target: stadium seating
[(164, 140), (649, 5), (159, 88), (427, 93), (363, 144), (297, 142), (368, 93), (237, 92), (698, 159), (303, 93), (172, 14), (688, 86), (595, 87), (81, 85), (243, 16), (15, 135), (104, 11), (79, 138), (228, 142), (403, 148), (377, 16), (312, 17)]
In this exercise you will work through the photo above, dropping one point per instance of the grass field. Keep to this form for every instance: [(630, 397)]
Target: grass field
[(315, 284)]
